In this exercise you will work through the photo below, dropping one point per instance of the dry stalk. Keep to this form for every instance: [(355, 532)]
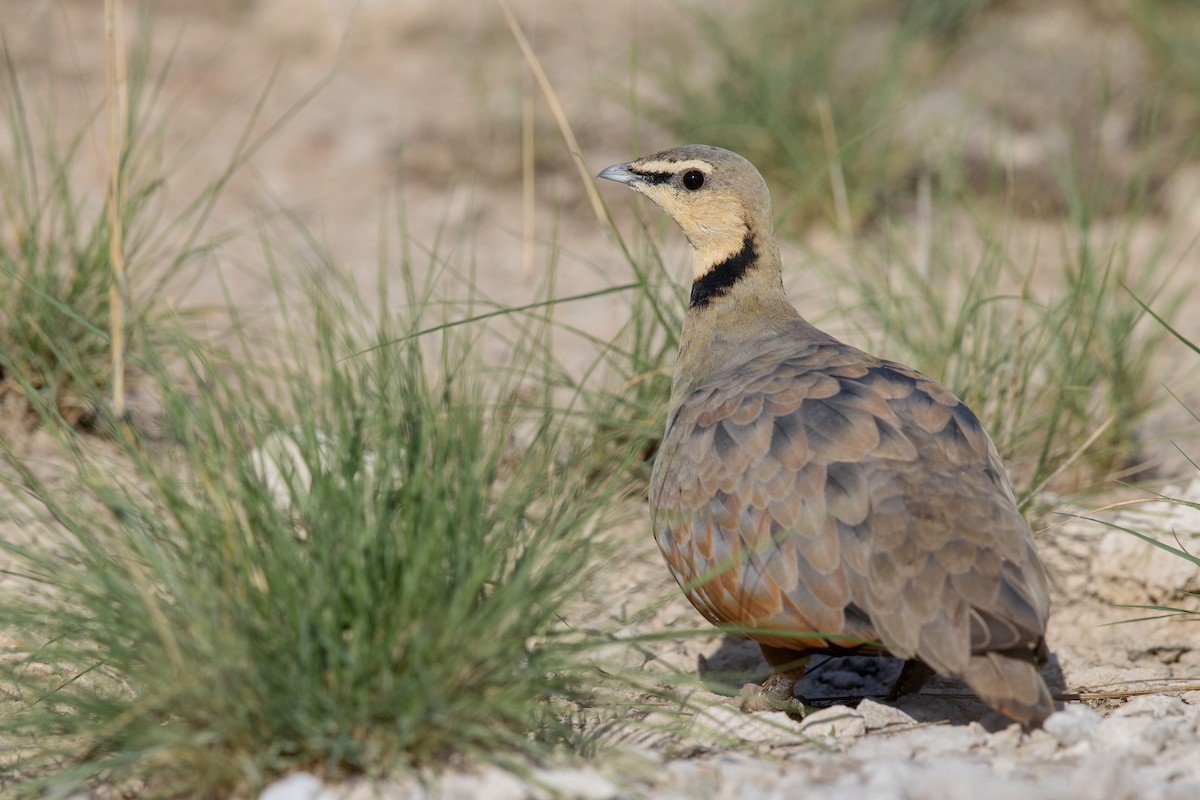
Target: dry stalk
[(841, 199), (115, 102), (1081, 695), (527, 176), (560, 116)]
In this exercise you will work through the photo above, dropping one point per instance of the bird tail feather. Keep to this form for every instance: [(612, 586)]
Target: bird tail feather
[(1011, 685)]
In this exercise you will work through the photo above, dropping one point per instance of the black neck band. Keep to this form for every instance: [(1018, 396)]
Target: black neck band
[(717, 280)]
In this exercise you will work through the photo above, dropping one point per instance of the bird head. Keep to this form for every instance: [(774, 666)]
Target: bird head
[(717, 197)]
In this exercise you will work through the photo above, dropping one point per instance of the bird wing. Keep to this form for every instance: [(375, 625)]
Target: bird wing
[(824, 491)]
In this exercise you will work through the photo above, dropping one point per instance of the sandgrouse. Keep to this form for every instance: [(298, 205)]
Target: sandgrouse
[(828, 500)]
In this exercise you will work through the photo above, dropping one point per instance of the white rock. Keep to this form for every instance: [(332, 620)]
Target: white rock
[(1125, 560), (958, 779), (1130, 566), (1138, 736), (1104, 777), (285, 469), (850, 791), (280, 464), (67, 791), (1039, 745), (746, 776), (938, 741), (888, 773), (298, 786), (395, 787), (1178, 762), (1152, 705), (577, 784), (1006, 739), (766, 727), (693, 779), (1182, 790), (1073, 724), (489, 783)]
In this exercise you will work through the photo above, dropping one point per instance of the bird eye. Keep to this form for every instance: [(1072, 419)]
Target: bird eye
[(693, 179)]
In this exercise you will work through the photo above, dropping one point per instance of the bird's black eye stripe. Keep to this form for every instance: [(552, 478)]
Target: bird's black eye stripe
[(656, 177), (693, 179)]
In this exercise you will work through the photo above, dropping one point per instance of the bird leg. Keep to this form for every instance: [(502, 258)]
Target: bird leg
[(913, 675), (777, 692)]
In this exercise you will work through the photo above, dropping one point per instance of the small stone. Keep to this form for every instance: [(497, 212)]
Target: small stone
[(298, 786), (835, 722), (1007, 738), (72, 790), (1039, 745), (1071, 725), (877, 716)]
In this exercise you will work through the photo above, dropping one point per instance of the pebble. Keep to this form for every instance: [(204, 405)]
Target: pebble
[(725, 722), (877, 716), (489, 783), (297, 786), (1144, 748)]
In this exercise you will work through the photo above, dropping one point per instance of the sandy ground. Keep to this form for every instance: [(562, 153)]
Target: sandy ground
[(420, 121)]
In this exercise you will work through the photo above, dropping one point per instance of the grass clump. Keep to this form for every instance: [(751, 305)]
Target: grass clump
[(1170, 29), (394, 597), (1053, 361), (55, 263), (1178, 549)]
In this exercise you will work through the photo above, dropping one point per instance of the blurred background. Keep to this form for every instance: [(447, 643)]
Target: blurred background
[(995, 190), (361, 253)]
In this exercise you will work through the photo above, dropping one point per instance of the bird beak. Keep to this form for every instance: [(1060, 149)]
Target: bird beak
[(621, 173)]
